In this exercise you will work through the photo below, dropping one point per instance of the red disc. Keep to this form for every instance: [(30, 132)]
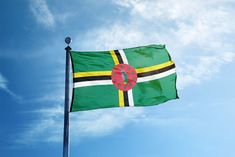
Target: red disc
[(124, 77)]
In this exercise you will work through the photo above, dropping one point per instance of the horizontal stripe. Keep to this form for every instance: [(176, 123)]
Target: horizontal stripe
[(92, 83), (108, 73), (114, 56), (92, 78), (155, 67), (109, 81), (92, 73), (156, 76), (156, 71)]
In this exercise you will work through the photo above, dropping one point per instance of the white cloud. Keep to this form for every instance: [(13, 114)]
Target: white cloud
[(94, 123), (49, 127), (103, 122), (3, 82), (196, 28), (42, 13), (202, 29), (4, 87), (116, 36), (171, 10), (203, 23), (191, 71), (49, 14), (205, 69)]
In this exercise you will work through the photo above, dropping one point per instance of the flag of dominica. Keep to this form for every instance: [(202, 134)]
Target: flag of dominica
[(140, 76)]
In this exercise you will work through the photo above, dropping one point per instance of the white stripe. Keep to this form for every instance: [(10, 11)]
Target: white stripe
[(122, 53), (92, 83), (156, 76), (129, 92), (130, 98)]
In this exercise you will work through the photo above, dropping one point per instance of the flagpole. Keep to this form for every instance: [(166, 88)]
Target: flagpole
[(66, 101)]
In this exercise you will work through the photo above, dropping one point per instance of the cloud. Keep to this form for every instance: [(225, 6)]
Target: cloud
[(4, 87), (116, 36), (205, 69), (190, 71), (49, 127), (41, 12), (47, 17), (197, 33), (188, 22), (3, 82), (202, 29)]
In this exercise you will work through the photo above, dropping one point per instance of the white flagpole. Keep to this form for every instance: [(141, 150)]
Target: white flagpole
[(66, 101)]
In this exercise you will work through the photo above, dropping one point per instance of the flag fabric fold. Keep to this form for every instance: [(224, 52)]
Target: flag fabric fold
[(140, 76)]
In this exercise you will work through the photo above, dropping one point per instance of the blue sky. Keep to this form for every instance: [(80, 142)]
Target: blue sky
[(200, 37)]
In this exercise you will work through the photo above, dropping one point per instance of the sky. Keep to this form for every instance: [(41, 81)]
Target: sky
[(200, 37)]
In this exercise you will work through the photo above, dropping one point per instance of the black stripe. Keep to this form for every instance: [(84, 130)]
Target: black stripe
[(125, 95), (118, 56), (156, 71), (91, 78)]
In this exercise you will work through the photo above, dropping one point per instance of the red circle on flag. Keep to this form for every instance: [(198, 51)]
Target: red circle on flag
[(124, 77)]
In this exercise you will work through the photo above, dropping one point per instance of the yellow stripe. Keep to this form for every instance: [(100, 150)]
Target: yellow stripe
[(120, 92), (155, 67), (115, 59), (108, 73), (92, 73), (121, 98)]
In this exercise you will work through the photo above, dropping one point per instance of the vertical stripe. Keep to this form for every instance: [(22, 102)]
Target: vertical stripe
[(125, 97), (130, 97), (121, 98), (126, 101), (122, 53), (119, 56), (129, 92), (114, 56)]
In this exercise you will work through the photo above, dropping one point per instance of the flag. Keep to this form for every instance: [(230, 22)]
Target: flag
[(140, 76)]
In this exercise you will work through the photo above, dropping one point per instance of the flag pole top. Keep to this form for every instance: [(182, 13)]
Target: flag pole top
[(68, 40)]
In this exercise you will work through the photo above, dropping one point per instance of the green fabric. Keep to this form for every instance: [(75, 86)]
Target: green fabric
[(93, 97), (146, 56), (104, 96), (155, 92), (92, 61)]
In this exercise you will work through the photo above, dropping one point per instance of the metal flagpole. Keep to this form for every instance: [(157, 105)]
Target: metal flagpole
[(66, 101)]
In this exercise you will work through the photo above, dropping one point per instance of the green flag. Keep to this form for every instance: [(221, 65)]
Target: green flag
[(140, 76)]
